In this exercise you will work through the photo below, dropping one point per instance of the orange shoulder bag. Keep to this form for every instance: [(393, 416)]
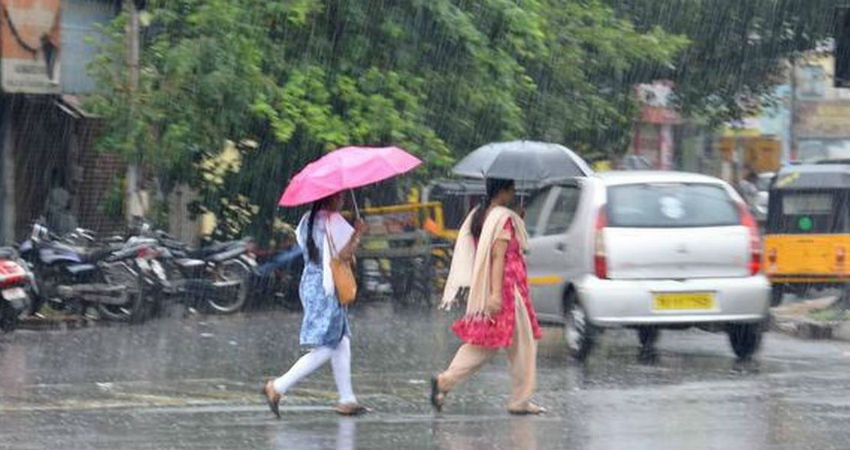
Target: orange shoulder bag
[(343, 274)]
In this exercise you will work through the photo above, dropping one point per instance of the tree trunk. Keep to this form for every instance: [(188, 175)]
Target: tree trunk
[(134, 204)]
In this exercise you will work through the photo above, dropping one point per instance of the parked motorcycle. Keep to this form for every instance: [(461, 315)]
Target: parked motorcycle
[(16, 283), (113, 277), (215, 278)]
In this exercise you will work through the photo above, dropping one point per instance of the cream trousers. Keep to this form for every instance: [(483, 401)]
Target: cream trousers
[(522, 357)]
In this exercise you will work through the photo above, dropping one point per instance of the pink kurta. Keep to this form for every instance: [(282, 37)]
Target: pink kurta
[(497, 331)]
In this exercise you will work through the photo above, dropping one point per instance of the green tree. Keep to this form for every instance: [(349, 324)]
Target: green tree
[(300, 77), (737, 50)]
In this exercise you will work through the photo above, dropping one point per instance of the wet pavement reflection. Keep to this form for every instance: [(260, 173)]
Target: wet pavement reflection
[(193, 382)]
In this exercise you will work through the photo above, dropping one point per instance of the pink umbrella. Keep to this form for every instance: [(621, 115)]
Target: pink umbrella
[(346, 168)]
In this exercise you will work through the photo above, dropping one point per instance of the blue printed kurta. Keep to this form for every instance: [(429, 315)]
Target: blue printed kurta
[(325, 319)]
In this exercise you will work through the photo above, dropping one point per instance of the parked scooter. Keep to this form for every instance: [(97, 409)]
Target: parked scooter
[(16, 284)]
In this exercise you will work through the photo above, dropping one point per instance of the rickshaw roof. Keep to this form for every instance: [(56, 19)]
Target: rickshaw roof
[(813, 176)]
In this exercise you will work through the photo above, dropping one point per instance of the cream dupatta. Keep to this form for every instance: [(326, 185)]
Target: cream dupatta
[(470, 269)]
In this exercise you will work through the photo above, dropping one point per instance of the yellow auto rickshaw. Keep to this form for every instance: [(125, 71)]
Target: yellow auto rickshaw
[(807, 233)]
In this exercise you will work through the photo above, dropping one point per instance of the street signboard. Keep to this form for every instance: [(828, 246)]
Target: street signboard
[(30, 46)]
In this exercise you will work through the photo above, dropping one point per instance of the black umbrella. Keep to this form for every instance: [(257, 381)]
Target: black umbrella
[(523, 161)]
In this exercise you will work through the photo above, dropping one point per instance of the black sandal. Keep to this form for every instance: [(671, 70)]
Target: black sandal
[(437, 396)]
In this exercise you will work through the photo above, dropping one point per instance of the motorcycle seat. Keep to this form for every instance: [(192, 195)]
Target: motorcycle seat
[(210, 250), (77, 269), (189, 262), (97, 254)]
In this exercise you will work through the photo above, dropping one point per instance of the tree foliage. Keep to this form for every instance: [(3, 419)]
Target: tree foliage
[(300, 77), (738, 47)]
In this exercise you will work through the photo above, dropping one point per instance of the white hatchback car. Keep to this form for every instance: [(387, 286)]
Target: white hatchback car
[(646, 250)]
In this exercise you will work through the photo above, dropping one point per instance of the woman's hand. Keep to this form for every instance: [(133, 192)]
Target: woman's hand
[(494, 304), (360, 226), (350, 249)]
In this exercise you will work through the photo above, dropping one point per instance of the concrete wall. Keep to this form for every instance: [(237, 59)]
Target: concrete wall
[(96, 174), (41, 137), (180, 223), (45, 145), (33, 147), (80, 19)]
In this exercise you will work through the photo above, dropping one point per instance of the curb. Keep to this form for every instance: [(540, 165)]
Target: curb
[(810, 329), (57, 323)]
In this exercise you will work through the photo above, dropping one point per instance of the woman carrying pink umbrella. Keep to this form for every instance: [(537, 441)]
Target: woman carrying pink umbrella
[(325, 235)]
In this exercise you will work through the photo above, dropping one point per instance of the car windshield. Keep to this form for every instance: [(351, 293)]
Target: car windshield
[(535, 209), (670, 205)]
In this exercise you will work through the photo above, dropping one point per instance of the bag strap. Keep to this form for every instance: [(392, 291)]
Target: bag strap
[(329, 237)]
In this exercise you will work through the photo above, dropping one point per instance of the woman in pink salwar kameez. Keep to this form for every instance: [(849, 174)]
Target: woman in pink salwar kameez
[(489, 267)]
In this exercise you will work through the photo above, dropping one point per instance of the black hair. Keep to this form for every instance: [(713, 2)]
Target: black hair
[(493, 187), (312, 249)]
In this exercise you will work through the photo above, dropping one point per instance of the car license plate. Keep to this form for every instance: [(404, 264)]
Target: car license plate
[(14, 294), (683, 301)]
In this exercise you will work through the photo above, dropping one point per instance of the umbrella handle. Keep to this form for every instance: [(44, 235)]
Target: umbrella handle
[(354, 201)]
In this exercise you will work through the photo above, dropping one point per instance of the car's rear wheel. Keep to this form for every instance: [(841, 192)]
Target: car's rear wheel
[(745, 339), (578, 331), (777, 292)]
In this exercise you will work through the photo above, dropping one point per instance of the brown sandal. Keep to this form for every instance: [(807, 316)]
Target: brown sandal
[(272, 397), (438, 397), (530, 410), (351, 409)]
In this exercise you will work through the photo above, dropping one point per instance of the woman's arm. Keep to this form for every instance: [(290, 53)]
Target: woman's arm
[(347, 253)]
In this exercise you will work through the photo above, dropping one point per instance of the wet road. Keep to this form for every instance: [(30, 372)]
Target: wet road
[(192, 383)]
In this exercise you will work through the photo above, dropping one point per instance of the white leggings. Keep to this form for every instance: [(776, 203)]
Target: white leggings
[(340, 358)]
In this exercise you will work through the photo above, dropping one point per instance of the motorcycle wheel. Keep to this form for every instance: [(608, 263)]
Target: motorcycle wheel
[(230, 300), (132, 311)]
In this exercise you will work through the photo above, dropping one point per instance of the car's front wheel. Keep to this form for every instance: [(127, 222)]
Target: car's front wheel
[(578, 331), (745, 339)]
